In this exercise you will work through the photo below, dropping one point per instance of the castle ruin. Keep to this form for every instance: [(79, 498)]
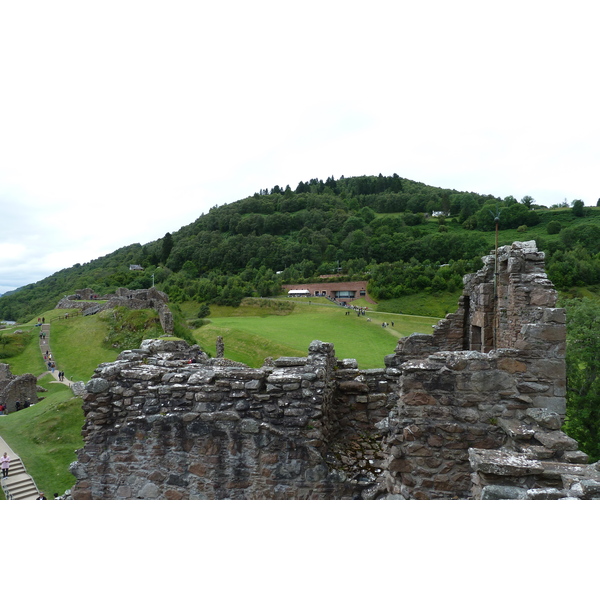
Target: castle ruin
[(90, 303), (472, 411), (17, 390)]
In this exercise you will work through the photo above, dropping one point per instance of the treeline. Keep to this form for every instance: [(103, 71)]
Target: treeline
[(574, 256), (401, 235)]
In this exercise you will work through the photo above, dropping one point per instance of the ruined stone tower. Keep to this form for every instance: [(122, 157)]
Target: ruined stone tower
[(471, 411)]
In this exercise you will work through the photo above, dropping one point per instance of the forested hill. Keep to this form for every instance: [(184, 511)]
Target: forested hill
[(401, 235)]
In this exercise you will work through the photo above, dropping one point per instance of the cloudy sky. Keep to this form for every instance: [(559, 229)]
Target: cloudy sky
[(120, 120)]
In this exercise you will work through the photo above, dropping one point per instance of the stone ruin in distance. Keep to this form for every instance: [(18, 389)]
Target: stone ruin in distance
[(472, 411)]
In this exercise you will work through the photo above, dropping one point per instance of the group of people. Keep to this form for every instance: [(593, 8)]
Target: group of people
[(52, 365), (18, 406), (358, 310)]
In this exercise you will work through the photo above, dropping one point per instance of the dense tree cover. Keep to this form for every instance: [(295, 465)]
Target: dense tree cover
[(377, 228), (574, 258), (583, 374)]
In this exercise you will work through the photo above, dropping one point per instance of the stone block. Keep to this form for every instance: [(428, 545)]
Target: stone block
[(416, 398), (552, 403), (546, 494), (502, 462), (511, 365), (515, 429), (97, 385), (556, 440), (150, 491), (576, 457), (545, 417)]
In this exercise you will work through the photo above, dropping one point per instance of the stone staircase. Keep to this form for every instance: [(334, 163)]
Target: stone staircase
[(19, 485)]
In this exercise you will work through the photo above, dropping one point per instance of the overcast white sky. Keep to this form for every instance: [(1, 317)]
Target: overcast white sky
[(120, 121)]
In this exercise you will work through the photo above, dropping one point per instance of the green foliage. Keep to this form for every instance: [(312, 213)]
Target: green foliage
[(13, 344), (204, 311), (127, 328), (553, 227), (528, 202), (430, 304), (180, 326), (350, 227), (583, 370), (167, 247), (578, 208), (511, 215)]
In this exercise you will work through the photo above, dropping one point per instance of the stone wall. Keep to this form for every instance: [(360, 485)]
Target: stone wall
[(16, 388), (473, 410), (89, 303), (167, 422)]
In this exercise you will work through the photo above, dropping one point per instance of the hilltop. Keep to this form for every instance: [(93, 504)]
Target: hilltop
[(403, 236)]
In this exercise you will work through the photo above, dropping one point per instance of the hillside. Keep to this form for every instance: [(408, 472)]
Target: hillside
[(375, 228)]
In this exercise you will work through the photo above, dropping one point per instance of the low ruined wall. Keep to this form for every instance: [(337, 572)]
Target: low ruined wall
[(160, 426), (90, 303), (472, 411), (16, 388)]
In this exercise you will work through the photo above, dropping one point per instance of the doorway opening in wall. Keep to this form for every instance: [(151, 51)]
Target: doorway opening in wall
[(476, 338)]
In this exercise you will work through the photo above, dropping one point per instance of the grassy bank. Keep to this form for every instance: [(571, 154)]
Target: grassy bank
[(46, 436), (250, 339), (78, 348)]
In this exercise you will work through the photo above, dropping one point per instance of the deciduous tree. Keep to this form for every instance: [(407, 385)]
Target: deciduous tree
[(583, 374)]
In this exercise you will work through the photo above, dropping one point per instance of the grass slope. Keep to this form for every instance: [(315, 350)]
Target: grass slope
[(77, 346), (250, 339), (30, 360), (46, 436)]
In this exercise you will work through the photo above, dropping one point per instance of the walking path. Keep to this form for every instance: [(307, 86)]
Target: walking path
[(45, 348)]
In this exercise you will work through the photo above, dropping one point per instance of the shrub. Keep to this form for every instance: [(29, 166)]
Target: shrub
[(553, 227), (204, 311)]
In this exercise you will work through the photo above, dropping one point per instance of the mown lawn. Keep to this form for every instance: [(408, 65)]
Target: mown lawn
[(250, 339)]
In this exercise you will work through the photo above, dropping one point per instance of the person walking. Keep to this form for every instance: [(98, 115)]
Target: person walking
[(5, 464)]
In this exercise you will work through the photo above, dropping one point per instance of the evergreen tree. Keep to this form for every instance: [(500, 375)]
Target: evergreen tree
[(167, 246)]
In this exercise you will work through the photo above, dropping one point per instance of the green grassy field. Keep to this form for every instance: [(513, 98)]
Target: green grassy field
[(46, 435), (250, 339), (77, 346), (30, 360)]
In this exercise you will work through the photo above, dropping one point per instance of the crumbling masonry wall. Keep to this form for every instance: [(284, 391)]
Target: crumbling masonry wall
[(473, 410), (89, 303), (16, 388)]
